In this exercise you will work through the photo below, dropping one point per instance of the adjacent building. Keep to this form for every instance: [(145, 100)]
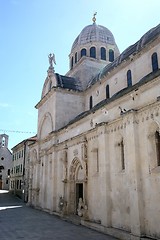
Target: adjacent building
[(19, 181), (5, 162), (97, 154)]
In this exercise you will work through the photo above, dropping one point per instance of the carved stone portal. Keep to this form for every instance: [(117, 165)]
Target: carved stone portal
[(77, 183)]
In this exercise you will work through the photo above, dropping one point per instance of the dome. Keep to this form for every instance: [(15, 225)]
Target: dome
[(94, 33)]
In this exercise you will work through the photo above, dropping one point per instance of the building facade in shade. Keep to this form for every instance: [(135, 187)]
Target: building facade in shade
[(19, 181), (97, 154), (5, 162)]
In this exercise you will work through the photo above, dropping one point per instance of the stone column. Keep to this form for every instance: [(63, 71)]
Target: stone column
[(50, 182), (54, 180), (84, 149), (45, 180), (30, 183)]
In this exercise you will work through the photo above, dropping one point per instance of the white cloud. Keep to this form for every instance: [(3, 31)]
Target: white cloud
[(4, 105)]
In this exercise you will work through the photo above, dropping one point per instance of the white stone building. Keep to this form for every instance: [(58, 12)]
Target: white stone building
[(5, 162), (19, 179), (97, 153)]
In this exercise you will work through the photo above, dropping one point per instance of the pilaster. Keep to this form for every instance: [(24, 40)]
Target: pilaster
[(134, 175)]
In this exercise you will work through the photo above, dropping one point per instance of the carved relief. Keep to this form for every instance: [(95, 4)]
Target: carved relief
[(82, 208), (74, 166)]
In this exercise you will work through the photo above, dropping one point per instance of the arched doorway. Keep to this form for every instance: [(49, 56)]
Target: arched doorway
[(77, 185)]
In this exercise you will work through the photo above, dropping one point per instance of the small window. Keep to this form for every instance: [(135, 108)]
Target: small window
[(111, 55), (90, 102), (1, 167), (93, 52), (3, 141), (8, 172), (157, 138), (6, 181), (17, 184), (71, 62), (129, 78), (76, 57), (83, 52), (154, 62), (122, 155), (103, 53), (107, 91)]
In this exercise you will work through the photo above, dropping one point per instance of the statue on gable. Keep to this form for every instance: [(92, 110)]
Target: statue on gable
[(52, 60)]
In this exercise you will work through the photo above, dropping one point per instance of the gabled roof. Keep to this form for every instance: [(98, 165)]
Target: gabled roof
[(68, 83)]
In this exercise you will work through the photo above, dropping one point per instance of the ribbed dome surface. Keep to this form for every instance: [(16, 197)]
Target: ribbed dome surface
[(94, 33)]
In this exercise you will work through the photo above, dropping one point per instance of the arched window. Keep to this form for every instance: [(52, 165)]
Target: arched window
[(90, 102), (76, 57), (154, 62), (107, 91), (129, 78), (111, 55), (83, 52), (1, 167), (93, 52), (157, 139), (103, 53), (71, 62)]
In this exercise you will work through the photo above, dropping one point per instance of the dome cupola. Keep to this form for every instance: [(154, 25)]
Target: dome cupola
[(94, 41)]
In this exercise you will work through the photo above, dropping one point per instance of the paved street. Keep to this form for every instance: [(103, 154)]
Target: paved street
[(18, 221)]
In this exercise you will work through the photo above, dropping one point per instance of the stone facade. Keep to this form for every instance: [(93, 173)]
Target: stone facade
[(5, 162), (97, 153)]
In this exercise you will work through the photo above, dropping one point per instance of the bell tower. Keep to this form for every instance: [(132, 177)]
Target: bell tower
[(4, 140)]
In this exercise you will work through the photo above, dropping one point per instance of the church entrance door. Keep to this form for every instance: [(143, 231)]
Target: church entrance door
[(76, 185), (79, 193)]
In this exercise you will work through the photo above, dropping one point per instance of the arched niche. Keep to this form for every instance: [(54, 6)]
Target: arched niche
[(46, 125)]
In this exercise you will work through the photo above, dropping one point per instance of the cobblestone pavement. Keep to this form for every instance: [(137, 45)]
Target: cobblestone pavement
[(18, 221)]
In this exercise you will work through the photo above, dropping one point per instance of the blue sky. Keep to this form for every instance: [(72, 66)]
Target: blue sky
[(31, 29)]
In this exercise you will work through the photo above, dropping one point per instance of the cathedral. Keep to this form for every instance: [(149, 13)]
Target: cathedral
[(97, 154)]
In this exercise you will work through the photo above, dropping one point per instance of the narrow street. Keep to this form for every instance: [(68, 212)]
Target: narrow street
[(18, 221)]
